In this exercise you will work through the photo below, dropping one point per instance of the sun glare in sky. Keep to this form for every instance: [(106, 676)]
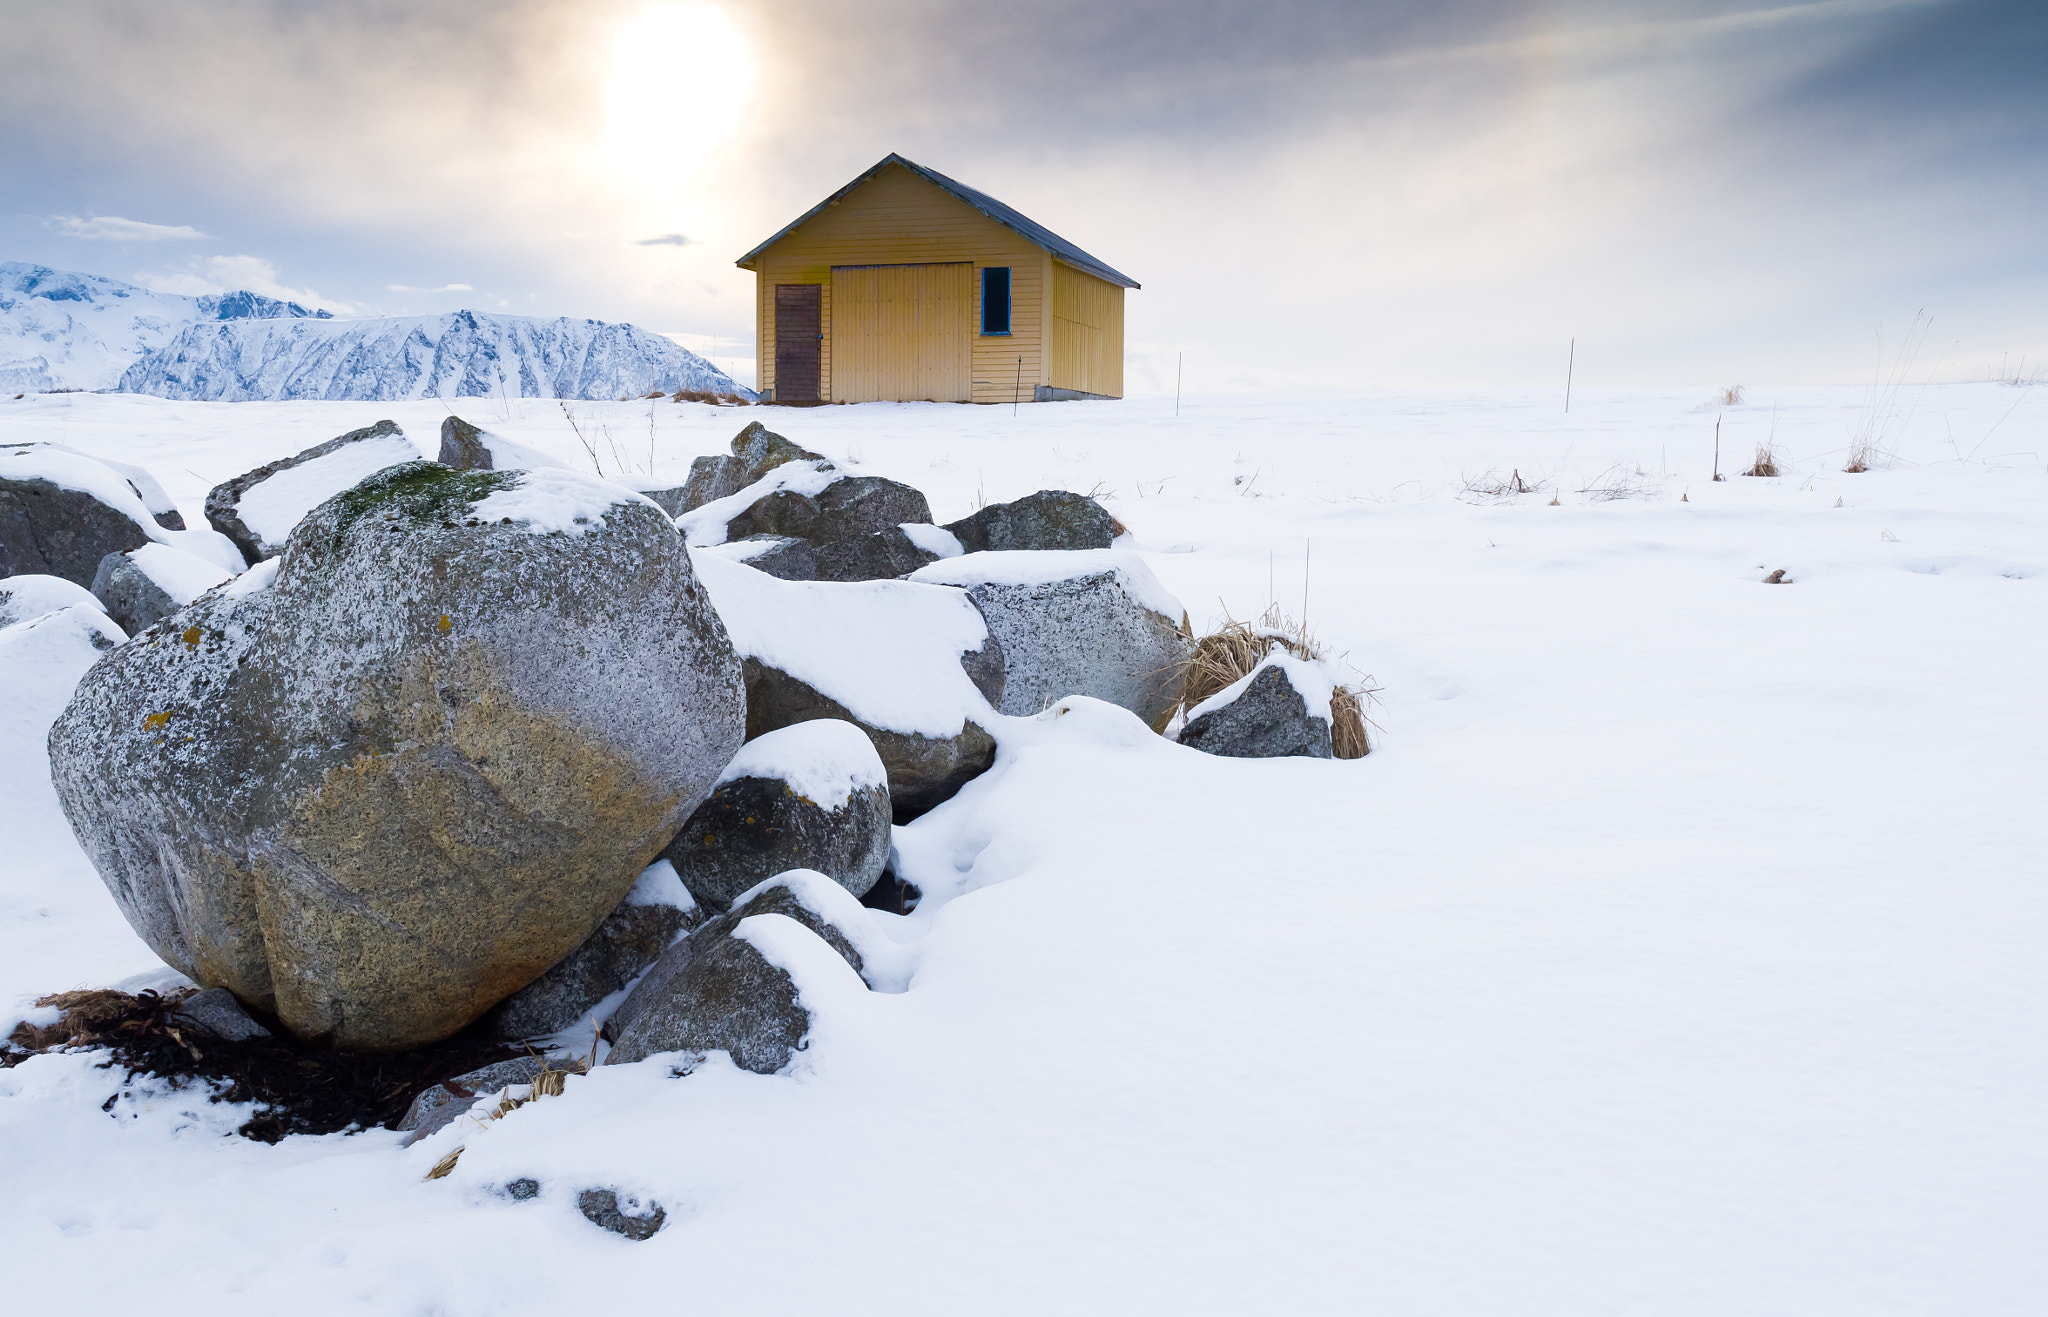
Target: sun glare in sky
[(680, 75)]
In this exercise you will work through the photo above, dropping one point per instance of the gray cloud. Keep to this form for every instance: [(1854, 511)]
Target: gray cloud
[(113, 228)]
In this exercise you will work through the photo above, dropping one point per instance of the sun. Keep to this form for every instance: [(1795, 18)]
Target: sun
[(678, 83)]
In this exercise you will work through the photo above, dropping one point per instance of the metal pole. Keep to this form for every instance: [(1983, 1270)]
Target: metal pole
[(1017, 390)]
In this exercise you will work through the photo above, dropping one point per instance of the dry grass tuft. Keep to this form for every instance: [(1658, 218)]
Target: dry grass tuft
[(1862, 456), (1619, 482), (1227, 655), (1492, 485), (1730, 396), (705, 395), (1766, 463), (87, 1012)]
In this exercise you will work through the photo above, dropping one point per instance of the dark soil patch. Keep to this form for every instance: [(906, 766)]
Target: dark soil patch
[(301, 1088)]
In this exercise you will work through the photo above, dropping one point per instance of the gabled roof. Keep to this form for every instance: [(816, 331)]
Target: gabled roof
[(981, 201)]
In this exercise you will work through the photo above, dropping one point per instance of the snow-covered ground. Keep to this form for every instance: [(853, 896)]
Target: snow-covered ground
[(1678, 950)]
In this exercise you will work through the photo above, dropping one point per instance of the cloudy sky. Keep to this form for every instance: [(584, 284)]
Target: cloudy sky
[(1312, 192)]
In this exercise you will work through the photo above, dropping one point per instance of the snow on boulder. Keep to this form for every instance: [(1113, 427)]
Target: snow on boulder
[(1049, 519), (782, 556), (1281, 707), (1094, 623), (143, 586), (809, 796), (62, 511), (469, 448), (728, 987), (712, 523), (515, 675), (631, 938), (847, 508), (41, 660), (914, 666), (258, 509), (881, 556), (26, 598)]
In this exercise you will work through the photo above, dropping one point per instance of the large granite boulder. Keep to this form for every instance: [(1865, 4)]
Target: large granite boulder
[(380, 783), (760, 450), (61, 512), (784, 557), (258, 509), (847, 508), (880, 556), (467, 447), (1281, 708), (809, 796), (914, 666), (143, 586), (716, 990), (1049, 519), (632, 937), (1094, 623), (756, 451)]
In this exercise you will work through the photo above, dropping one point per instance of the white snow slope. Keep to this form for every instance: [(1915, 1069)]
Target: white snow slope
[(1677, 951), (463, 354), (62, 330)]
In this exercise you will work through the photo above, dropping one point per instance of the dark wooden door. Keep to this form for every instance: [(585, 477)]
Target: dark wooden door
[(798, 339)]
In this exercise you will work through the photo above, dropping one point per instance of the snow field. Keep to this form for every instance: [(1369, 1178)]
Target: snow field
[(1676, 950)]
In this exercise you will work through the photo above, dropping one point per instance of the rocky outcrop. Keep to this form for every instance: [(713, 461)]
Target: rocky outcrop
[(809, 796), (467, 447), (258, 509), (1075, 623), (436, 1108), (1281, 708), (1049, 519), (783, 557), (61, 513), (142, 587), (881, 556), (760, 450), (715, 991), (848, 508), (629, 1217), (655, 913), (911, 665), (516, 675)]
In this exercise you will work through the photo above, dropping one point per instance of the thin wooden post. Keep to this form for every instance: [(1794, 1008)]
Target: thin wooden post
[(1717, 448), (1571, 359), (1017, 391)]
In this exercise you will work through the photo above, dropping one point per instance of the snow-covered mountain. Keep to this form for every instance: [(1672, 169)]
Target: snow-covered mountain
[(63, 330), (464, 354)]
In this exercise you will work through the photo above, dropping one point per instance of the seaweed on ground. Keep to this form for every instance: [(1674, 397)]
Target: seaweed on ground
[(299, 1088)]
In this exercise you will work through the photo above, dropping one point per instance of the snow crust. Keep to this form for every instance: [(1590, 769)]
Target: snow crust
[(660, 884), (511, 455), (1311, 680), (825, 761), (552, 500), (271, 507), (933, 539), (1040, 566), (183, 576), (256, 578), (1677, 949), (705, 526), (32, 595), (889, 651)]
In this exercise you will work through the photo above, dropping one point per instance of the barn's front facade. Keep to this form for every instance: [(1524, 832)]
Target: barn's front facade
[(907, 286)]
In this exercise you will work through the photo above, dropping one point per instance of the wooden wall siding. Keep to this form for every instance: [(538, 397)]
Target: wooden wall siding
[(1087, 333), (903, 331), (897, 218)]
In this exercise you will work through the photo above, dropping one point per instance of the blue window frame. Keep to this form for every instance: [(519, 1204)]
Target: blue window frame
[(995, 299)]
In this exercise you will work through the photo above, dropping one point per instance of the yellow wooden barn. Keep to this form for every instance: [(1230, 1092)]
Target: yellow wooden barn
[(905, 285)]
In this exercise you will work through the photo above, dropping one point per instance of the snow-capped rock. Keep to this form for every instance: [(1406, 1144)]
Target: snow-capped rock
[(64, 330), (463, 354)]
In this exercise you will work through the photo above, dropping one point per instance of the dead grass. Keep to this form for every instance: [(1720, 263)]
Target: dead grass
[(1729, 397), (705, 395), (1492, 486), (1227, 655), (1620, 482), (1766, 463)]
